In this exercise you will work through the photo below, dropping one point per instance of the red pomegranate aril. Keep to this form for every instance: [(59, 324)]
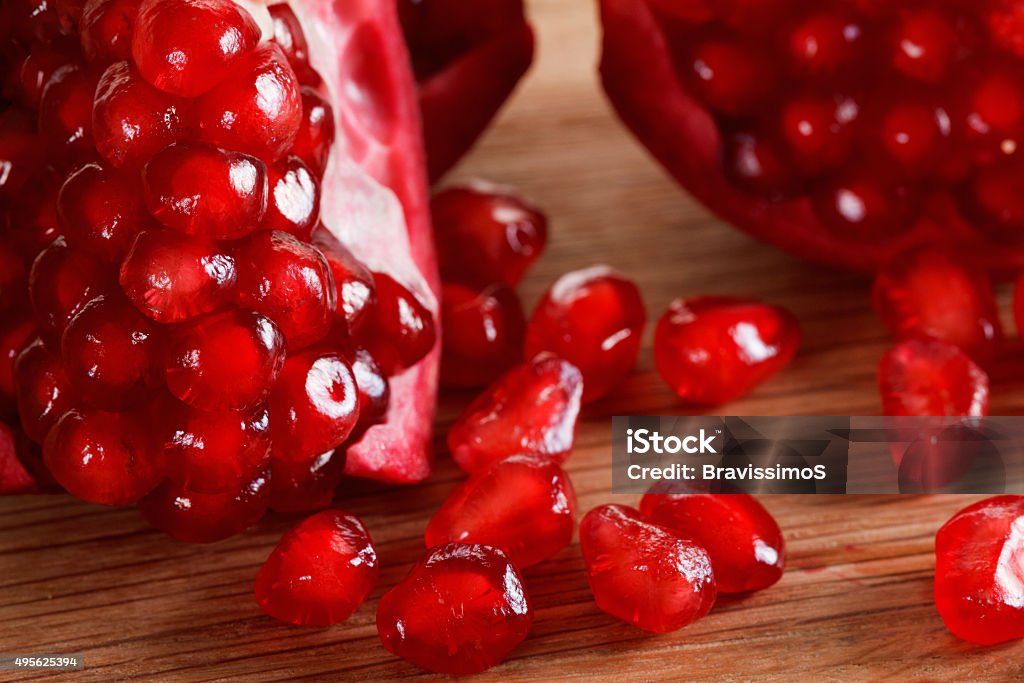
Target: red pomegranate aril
[(101, 457), (321, 571), (205, 517), (486, 234), (316, 132), (61, 282), (290, 282), (995, 108), (712, 350), (294, 198), (645, 574), (13, 279), (729, 76), (922, 377), (914, 133), (356, 294), (400, 330), (372, 385), (39, 65), (818, 131), (101, 211), (461, 610), (224, 361), (482, 335), (925, 43), (42, 389), (825, 43), (530, 410), (17, 330), (524, 505), (20, 160), (186, 47), (741, 538), (931, 294), (304, 486), (33, 218), (65, 116), (863, 207), (758, 166), (132, 120), (978, 591), (288, 34), (106, 30), (257, 110), (14, 478), (200, 190), (995, 202)]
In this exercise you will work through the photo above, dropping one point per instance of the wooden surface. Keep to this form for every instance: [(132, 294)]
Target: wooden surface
[(854, 604)]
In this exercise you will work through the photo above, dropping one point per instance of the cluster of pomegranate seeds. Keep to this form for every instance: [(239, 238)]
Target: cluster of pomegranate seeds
[(186, 335), (930, 377), (715, 349)]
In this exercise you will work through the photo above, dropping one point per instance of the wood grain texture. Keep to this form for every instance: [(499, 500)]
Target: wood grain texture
[(855, 603)]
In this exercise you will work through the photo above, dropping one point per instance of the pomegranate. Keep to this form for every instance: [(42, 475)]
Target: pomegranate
[(845, 133), (14, 478)]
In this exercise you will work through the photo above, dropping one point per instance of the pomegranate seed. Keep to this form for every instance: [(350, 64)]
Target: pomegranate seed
[(483, 334), (353, 281), (288, 34), (758, 166), (39, 66), (462, 609), (486, 235), (530, 410), (823, 44), (106, 30), (205, 517), (931, 377), (13, 279), (320, 572), (20, 160), (930, 294), (713, 350), (993, 200), (65, 115), (61, 283), (101, 457), (304, 486), (690, 11), (741, 538), (1005, 23), (729, 76), (294, 199), (100, 211), (373, 387), (925, 43), (977, 587), (290, 282), (257, 109), (224, 361), (524, 505), (818, 131), (642, 573), (864, 207), (594, 318), (316, 132), (14, 478), (16, 333), (201, 190), (186, 47), (400, 329), (35, 216), (42, 388)]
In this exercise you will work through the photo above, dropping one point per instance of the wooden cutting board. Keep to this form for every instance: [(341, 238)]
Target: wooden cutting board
[(854, 604)]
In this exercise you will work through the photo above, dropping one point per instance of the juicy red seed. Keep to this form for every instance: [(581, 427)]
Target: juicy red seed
[(65, 116), (913, 133), (257, 109), (863, 208), (205, 191), (205, 517), (995, 200), (39, 66), (288, 34), (313, 407), (33, 20), (462, 609), (929, 293), (741, 538), (713, 350), (531, 410), (524, 505), (931, 377), (316, 132), (294, 198), (824, 43), (485, 235), (645, 574), (304, 486), (61, 282), (690, 11), (290, 282), (42, 388), (186, 47), (100, 211), (35, 218), (223, 361), (817, 131), (400, 330), (1005, 23), (106, 30), (132, 120), (925, 42), (105, 458), (14, 477), (373, 387), (758, 165), (172, 277), (16, 332), (19, 151), (321, 571), (729, 76), (995, 105), (13, 278), (352, 280), (106, 351), (977, 589), (482, 334), (593, 318)]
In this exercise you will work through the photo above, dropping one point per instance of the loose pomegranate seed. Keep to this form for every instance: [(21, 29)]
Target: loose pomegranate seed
[(172, 277), (483, 334), (304, 486), (400, 329), (105, 458), (353, 281), (741, 538), (316, 132), (224, 361), (642, 573), (101, 211), (294, 198), (713, 350), (531, 410), (185, 47), (313, 407), (931, 377), (288, 34), (201, 190), (931, 294), (62, 281), (373, 387), (106, 30), (257, 109), (320, 572), (486, 235), (205, 517), (42, 388), (65, 116), (524, 505), (16, 332), (977, 587), (462, 609), (290, 282), (593, 318)]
